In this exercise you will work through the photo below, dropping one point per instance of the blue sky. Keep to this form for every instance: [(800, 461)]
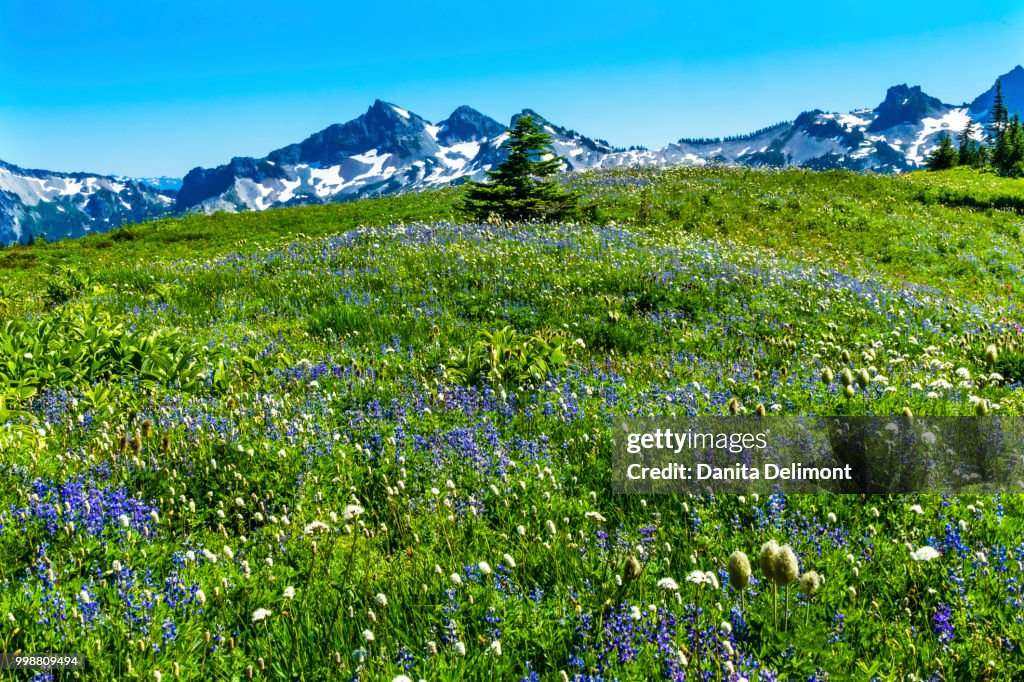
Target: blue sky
[(157, 87)]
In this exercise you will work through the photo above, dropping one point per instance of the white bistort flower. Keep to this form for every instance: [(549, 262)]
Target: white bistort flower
[(925, 553), (669, 584), (696, 577)]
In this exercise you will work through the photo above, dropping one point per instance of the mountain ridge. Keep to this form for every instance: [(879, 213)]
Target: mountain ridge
[(390, 149)]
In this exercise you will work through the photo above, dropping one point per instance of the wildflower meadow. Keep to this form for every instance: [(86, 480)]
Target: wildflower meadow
[(372, 441)]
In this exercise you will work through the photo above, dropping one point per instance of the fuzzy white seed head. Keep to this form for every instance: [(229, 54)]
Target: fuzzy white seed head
[(633, 568), (786, 568), (767, 559), (739, 570), (810, 583), (991, 354)]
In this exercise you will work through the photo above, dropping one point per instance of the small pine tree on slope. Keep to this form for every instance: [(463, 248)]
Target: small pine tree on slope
[(970, 152), (1013, 157), (523, 187), (999, 115), (944, 156)]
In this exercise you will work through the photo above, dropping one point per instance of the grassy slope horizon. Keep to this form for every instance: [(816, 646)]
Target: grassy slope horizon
[(821, 215), (307, 483)]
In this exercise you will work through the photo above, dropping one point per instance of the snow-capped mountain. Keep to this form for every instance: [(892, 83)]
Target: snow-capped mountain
[(54, 205), (386, 150), (390, 149), (893, 137)]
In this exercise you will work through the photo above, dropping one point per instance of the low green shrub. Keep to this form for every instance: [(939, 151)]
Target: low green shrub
[(507, 358)]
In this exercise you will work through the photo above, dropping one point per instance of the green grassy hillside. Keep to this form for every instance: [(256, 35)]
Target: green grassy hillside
[(367, 440)]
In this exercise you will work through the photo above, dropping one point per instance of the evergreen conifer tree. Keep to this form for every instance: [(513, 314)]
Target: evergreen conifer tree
[(944, 156), (969, 150), (1000, 117), (1012, 161), (522, 188)]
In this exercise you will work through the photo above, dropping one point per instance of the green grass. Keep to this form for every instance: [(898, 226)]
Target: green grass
[(238, 385)]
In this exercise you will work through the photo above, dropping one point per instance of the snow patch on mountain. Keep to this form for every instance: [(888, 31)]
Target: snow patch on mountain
[(931, 129)]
